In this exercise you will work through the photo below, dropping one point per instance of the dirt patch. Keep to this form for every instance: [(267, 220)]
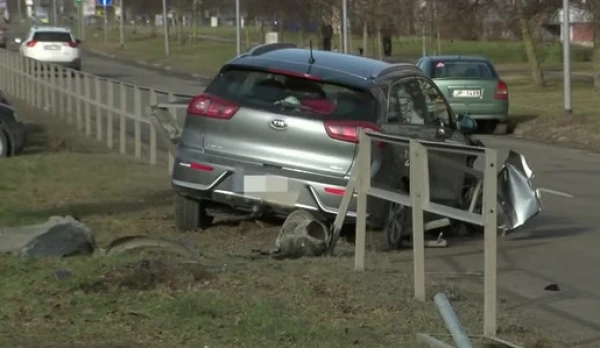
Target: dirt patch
[(149, 274), (575, 131)]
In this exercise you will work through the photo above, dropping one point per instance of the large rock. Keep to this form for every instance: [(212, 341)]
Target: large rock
[(66, 237)]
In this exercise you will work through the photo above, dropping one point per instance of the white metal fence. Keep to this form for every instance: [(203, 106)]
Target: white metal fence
[(419, 200), (108, 110)]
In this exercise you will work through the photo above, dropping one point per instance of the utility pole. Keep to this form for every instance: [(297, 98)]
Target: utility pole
[(238, 25), (81, 20), (345, 24), (567, 57), (105, 22), (121, 25), (55, 12), (166, 28)]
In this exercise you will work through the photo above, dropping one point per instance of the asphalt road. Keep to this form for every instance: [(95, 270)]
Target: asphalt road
[(557, 247)]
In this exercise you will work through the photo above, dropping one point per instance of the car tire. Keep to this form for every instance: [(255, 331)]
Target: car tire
[(487, 127), (4, 143), (190, 214), (384, 214)]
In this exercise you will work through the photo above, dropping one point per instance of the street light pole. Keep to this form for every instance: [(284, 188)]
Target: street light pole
[(345, 24), (166, 27), (121, 26), (55, 12), (238, 25), (567, 57)]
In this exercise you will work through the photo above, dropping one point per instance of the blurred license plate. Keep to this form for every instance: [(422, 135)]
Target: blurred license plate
[(466, 93), (52, 47)]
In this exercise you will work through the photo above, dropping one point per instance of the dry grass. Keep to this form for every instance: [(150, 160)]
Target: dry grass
[(540, 113), (251, 302)]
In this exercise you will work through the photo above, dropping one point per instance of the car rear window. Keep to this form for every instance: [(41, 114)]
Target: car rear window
[(292, 95), (463, 70), (51, 36)]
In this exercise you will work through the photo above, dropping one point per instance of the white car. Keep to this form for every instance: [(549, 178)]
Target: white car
[(53, 45)]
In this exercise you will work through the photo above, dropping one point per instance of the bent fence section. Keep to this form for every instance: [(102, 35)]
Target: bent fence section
[(419, 200)]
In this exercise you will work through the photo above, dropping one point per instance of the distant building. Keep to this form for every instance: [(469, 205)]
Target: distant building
[(581, 27)]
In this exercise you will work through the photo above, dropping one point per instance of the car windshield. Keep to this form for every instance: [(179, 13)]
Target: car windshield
[(51, 36), (463, 70), (292, 95)]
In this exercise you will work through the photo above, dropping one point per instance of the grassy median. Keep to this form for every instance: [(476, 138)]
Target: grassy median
[(230, 299)]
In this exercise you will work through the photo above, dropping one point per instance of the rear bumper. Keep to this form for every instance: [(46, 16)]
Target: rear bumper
[(74, 64), (250, 188), (497, 111)]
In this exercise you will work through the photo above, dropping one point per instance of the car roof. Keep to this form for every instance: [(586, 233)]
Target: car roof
[(52, 29), (329, 66), (457, 57)]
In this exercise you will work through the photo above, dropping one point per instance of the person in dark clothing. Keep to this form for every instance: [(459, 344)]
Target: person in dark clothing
[(386, 41), (327, 32)]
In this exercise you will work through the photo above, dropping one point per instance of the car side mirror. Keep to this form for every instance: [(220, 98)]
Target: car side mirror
[(78, 41), (467, 124), (18, 40)]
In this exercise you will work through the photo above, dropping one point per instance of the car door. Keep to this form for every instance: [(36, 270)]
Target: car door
[(417, 109)]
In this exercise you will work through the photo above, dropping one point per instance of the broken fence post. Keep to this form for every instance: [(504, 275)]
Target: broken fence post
[(458, 334)]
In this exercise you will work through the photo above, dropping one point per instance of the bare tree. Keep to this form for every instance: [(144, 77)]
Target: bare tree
[(595, 8)]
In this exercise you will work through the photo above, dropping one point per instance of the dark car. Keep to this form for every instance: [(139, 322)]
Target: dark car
[(472, 86), (3, 38), (12, 132), (277, 130)]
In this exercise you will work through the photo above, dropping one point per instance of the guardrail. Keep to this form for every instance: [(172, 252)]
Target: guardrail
[(109, 110), (419, 199)]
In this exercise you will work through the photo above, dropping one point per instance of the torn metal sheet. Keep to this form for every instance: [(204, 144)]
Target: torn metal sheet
[(519, 199)]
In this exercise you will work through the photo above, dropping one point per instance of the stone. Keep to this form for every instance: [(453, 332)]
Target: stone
[(64, 239)]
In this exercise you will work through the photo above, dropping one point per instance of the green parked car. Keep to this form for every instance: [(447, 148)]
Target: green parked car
[(472, 87)]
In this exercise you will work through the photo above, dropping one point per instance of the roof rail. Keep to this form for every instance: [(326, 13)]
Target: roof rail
[(265, 48), (396, 67)]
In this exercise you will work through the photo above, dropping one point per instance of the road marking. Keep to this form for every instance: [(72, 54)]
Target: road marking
[(557, 193)]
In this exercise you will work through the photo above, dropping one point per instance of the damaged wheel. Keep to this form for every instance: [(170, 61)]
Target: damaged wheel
[(397, 226), (190, 214)]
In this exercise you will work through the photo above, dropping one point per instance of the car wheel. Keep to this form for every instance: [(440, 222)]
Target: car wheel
[(190, 214), (487, 127), (397, 228), (4, 145)]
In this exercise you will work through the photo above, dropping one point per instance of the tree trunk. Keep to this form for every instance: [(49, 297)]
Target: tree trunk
[(596, 60), (194, 21), (530, 49)]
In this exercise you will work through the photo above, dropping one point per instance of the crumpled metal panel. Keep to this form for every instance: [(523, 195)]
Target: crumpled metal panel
[(519, 199)]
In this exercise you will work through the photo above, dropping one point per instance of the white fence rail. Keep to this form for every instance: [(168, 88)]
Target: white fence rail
[(419, 200)]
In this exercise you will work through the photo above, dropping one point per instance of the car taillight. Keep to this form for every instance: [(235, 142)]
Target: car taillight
[(348, 130), (501, 90), (212, 106), (73, 44), (31, 43)]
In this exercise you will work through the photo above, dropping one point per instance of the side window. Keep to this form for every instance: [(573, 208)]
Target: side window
[(416, 101), (437, 109)]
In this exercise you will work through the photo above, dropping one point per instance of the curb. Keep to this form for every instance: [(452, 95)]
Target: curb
[(150, 66)]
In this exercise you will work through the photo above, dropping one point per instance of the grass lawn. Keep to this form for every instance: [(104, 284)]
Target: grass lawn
[(540, 112), (149, 300), (206, 56)]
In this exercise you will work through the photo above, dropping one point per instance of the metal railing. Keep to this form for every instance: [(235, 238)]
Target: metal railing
[(108, 110), (419, 200)]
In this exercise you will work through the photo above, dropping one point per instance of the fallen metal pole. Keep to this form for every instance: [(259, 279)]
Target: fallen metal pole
[(431, 342), (458, 334)]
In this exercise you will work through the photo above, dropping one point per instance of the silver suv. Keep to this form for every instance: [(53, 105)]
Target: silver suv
[(277, 130)]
